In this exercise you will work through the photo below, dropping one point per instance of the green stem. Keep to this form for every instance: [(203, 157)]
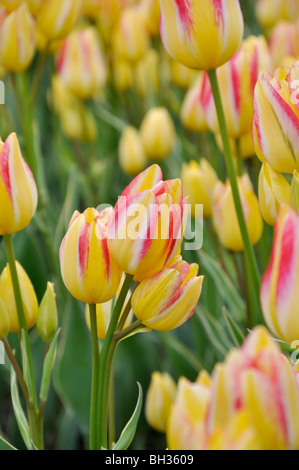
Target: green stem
[(239, 157), (20, 309), (111, 428), (95, 373), (106, 358), (231, 169), (122, 334)]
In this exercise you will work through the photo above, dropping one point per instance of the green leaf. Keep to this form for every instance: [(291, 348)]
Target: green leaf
[(48, 368), (178, 347), (234, 330), (18, 411), (224, 286), (214, 331), (4, 445), (26, 368), (129, 431)]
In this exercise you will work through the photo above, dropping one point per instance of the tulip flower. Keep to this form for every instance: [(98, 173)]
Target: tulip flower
[(132, 158), (122, 75), (4, 321), (276, 119), (29, 298), (158, 134), (151, 12), (182, 76), (188, 26), (283, 42), (47, 318), (199, 181), (81, 65), (17, 39), (237, 80), (274, 191), (168, 299), (193, 114), (146, 74), (225, 217), (148, 224), (130, 36), (279, 291), (108, 14), (250, 402), (159, 399), (269, 12), (88, 270), (57, 18), (18, 192)]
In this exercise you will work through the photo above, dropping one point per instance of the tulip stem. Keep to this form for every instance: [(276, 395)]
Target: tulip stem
[(239, 157), (95, 374), (232, 174), (106, 358)]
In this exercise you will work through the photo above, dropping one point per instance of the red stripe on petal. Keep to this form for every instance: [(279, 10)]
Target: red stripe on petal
[(4, 167), (83, 249), (184, 7), (288, 261), (218, 8)]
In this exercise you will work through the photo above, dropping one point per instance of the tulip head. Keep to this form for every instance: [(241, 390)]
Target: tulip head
[(17, 39), (225, 217), (279, 291), (57, 18), (168, 299), (187, 26), (47, 318), (146, 74), (148, 224), (274, 191), (18, 192), (159, 399), (193, 111), (199, 181), (132, 158), (283, 42), (158, 134), (276, 119), (29, 299), (270, 12), (88, 270), (182, 76)]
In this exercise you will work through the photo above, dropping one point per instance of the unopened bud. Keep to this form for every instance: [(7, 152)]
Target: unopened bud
[(47, 319)]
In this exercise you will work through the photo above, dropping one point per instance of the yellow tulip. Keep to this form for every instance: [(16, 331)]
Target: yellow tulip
[(131, 153), (201, 35), (18, 192), (29, 299), (47, 318), (274, 191), (122, 75), (57, 18), (199, 181), (225, 217), (158, 134), (146, 74), (88, 270), (4, 320), (168, 299), (283, 42), (17, 39), (181, 75), (193, 113), (159, 399)]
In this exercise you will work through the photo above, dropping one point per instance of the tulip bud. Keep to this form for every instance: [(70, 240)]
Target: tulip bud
[(181, 75), (131, 154), (159, 399), (81, 64), (199, 181), (17, 39), (4, 321), (283, 42), (276, 113), (104, 312), (130, 36), (295, 192), (151, 12), (225, 217), (158, 134), (274, 191), (88, 270), (149, 221), (47, 318), (188, 27), (193, 115), (122, 75), (279, 291), (168, 299), (29, 299), (146, 74), (18, 192), (269, 12), (57, 18)]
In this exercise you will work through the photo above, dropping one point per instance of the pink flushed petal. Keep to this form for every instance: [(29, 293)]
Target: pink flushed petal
[(5, 170), (61, 58), (218, 8), (135, 186), (184, 7), (254, 68), (236, 82), (83, 248), (206, 95)]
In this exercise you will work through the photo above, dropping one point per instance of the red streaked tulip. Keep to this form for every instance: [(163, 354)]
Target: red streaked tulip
[(279, 291), (148, 225), (283, 42), (18, 192), (88, 270), (193, 111), (189, 26), (81, 65), (276, 119), (159, 399), (168, 299), (17, 39)]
